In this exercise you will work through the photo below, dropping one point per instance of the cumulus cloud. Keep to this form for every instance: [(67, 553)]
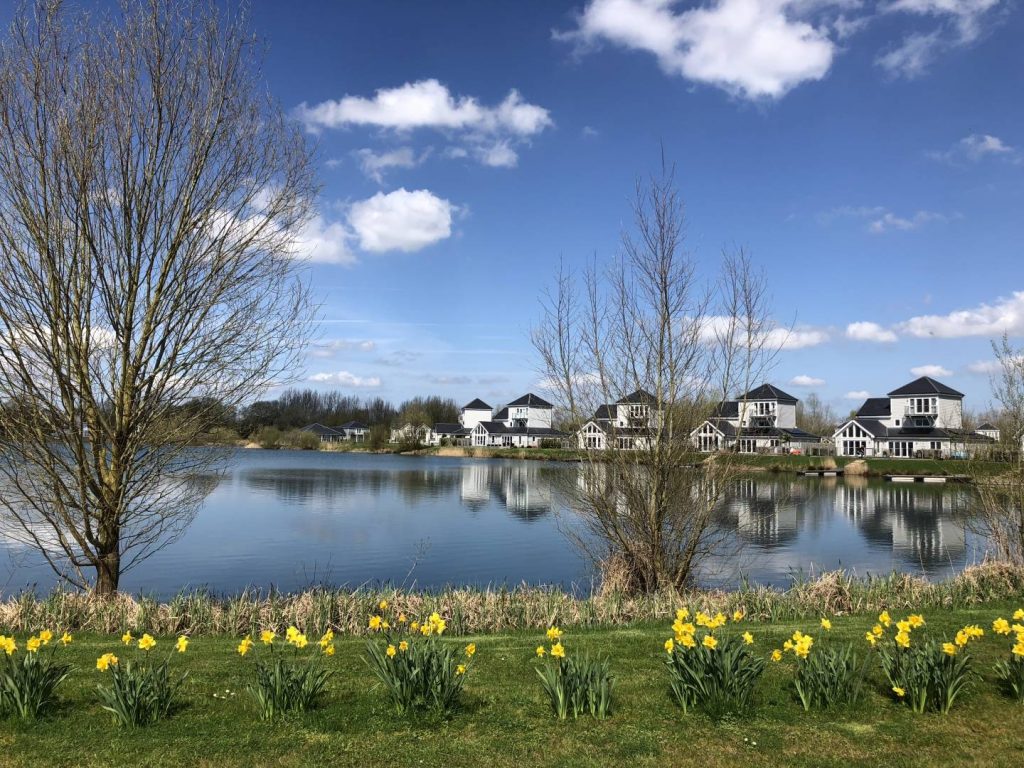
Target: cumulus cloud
[(755, 49), (716, 328), (401, 220), (881, 220), (866, 330), (374, 164), (806, 381), (486, 133), (857, 394), (323, 241), (1005, 315), (931, 370), (346, 379), (975, 148)]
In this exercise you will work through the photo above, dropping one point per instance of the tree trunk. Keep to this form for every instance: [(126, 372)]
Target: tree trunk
[(108, 573)]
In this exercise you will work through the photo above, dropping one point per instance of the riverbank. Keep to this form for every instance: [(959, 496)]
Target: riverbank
[(505, 721), (470, 611)]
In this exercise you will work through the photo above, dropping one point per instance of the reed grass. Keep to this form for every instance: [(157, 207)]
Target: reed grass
[(475, 611)]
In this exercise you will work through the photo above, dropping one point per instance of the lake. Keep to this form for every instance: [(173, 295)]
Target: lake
[(292, 519)]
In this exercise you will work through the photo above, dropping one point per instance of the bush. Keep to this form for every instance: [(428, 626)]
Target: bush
[(418, 670), (924, 674), (268, 437), (28, 683), (141, 692), (305, 441), (575, 686), (1011, 671), (288, 683), (716, 674)]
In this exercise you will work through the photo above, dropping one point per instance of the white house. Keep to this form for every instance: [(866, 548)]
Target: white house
[(921, 419), (408, 432), (990, 430), (628, 424), (326, 434), (523, 423), (763, 419), (353, 431)]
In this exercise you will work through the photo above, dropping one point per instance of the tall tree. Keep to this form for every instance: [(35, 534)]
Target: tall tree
[(642, 349), (151, 194), (816, 416)]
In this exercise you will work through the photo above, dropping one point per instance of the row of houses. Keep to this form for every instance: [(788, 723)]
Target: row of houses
[(921, 418)]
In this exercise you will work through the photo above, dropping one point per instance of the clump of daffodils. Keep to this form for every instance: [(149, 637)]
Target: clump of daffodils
[(288, 682), (28, 681), (142, 690), (1010, 671), (574, 686)]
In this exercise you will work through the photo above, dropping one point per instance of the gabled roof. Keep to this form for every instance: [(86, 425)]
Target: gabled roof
[(501, 415), (531, 400), (476, 405), (352, 425), (925, 385), (640, 396), (604, 412), (320, 429), (872, 426), (768, 392), (499, 428), (449, 429), (988, 426), (875, 407), (727, 409)]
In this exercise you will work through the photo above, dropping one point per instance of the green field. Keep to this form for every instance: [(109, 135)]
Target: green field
[(505, 722)]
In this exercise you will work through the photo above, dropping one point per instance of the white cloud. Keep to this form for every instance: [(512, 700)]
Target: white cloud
[(750, 48), (401, 220), (797, 338), (931, 370), (374, 164), (1005, 315), (324, 242), (806, 381), (977, 147), (485, 133), (865, 330), (889, 222), (912, 57), (857, 394), (991, 367), (332, 347), (346, 379)]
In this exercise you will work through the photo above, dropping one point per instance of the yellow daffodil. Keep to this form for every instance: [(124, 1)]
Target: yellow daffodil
[(267, 636), (916, 620), (326, 638), (826, 625), (737, 615), (1018, 649), (65, 639), (870, 638), (682, 614), (104, 662), (401, 618), (415, 626), (146, 642), (949, 649), (182, 645), (383, 605), (884, 619), (45, 637), (426, 629), (391, 651), (8, 645), (709, 642), (300, 641), (776, 655), (245, 646), (899, 691), (291, 633), (1018, 615), (669, 645), (962, 638), (687, 641), (470, 650), (748, 638), (1001, 626), (877, 630), (127, 638), (403, 646), (554, 633), (375, 623), (460, 670), (903, 639), (32, 644), (904, 626), (557, 651), (540, 650), (328, 649)]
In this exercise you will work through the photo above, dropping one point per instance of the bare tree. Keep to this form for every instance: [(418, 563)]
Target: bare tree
[(638, 353), (998, 513), (816, 416), (150, 198)]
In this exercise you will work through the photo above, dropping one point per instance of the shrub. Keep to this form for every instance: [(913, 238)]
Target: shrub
[(1011, 671), (288, 682), (924, 674), (268, 437), (574, 686), (826, 675), (418, 670), (28, 683), (141, 691), (718, 674)]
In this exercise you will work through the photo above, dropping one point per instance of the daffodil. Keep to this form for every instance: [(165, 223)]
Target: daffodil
[(401, 618), (182, 645), (328, 650), (460, 670), (127, 638), (146, 642), (554, 633), (669, 645), (776, 655), (682, 614), (557, 651), (415, 626), (1018, 649), (1001, 626), (884, 619), (245, 646), (903, 639), (8, 645), (32, 644), (375, 623), (877, 630), (737, 615), (391, 651), (540, 651), (326, 638), (65, 639), (267, 636), (687, 641), (826, 625), (709, 642), (470, 650), (899, 691), (383, 605), (291, 633), (748, 638), (904, 626), (916, 620), (949, 649), (45, 637), (870, 638), (104, 662), (403, 646), (1018, 615)]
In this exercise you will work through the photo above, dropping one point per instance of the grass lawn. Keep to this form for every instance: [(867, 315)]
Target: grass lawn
[(505, 722)]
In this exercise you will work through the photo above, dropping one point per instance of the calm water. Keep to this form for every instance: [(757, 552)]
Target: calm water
[(291, 519)]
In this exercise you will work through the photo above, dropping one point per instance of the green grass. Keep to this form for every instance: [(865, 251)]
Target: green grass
[(877, 467), (505, 721)]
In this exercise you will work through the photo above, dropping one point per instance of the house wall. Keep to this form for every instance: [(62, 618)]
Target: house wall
[(786, 415), (949, 411), (469, 418)]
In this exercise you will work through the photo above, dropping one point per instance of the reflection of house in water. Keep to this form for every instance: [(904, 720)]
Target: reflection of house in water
[(917, 522), (767, 514), (521, 487), (309, 485)]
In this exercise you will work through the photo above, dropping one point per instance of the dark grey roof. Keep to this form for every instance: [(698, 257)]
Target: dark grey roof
[(320, 429), (925, 386), (501, 415), (873, 426), (449, 429), (989, 426), (768, 392), (640, 396), (799, 434), (476, 405), (352, 425), (532, 400), (603, 412), (499, 428), (727, 409), (874, 407)]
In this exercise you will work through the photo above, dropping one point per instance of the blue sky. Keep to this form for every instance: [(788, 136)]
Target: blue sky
[(869, 154)]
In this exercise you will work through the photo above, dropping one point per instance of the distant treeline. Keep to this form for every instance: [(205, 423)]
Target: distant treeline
[(298, 407)]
